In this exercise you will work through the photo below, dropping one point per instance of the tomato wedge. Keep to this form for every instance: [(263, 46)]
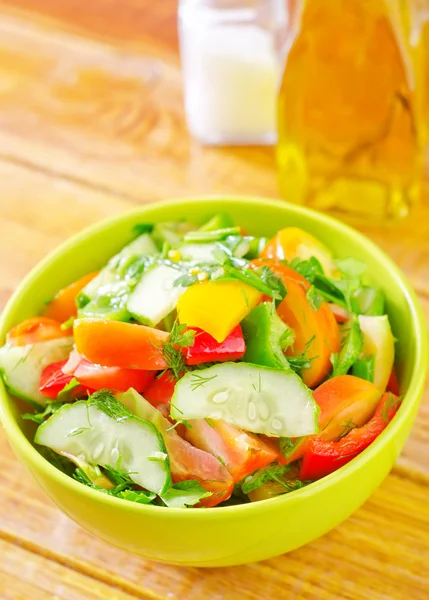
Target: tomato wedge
[(345, 402), (63, 304), (241, 452), (316, 331), (34, 330), (188, 462), (118, 344), (53, 380), (160, 389), (98, 377), (323, 458)]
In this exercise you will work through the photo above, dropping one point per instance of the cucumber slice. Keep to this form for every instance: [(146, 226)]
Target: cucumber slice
[(127, 442), (254, 398), (110, 302), (379, 342), (143, 245), (198, 253), (155, 295), (22, 366)]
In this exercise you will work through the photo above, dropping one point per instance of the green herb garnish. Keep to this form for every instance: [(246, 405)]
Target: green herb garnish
[(184, 494), (351, 348), (49, 409)]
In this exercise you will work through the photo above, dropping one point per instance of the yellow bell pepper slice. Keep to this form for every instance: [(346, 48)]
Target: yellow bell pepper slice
[(217, 306)]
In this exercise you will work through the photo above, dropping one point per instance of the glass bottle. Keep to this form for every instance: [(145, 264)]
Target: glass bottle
[(231, 68), (351, 132)]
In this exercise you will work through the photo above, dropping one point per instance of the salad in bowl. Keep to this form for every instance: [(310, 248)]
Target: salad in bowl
[(203, 367)]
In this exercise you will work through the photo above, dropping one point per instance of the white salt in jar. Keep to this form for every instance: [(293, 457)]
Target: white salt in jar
[(231, 68)]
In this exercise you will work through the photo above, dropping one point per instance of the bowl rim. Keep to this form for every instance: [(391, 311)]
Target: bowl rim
[(413, 393)]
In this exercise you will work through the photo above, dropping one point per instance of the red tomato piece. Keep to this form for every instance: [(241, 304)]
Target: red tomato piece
[(240, 452), (115, 378), (34, 330), (160, 389), (323, 457), (53, 380), (207, 349)]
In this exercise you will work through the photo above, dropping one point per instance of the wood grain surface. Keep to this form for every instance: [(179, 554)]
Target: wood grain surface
[(91, 124)]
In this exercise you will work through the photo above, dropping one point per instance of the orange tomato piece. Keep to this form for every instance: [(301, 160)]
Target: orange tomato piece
[(119, 344), (316, 331), (34, 330), (345, 402), (63, 304)]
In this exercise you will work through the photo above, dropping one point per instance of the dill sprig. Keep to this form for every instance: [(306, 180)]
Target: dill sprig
[(180, 337), (199, 380)]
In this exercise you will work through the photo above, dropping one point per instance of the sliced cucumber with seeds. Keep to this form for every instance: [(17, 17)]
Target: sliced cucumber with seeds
[(127, 442), (254, 398), (155, 295), (141, 246), (22, 366)]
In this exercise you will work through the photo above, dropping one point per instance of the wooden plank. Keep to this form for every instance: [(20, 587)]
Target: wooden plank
[(25, 575), (378, 553)]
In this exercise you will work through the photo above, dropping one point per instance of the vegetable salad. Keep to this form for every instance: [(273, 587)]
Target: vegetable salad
[(202, 366)]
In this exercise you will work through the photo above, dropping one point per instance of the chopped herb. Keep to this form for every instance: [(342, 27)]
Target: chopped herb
[(287, 338), (222, 462), (179, 338), (314, 297), (140, 496), (391, 404), (300, 362), (175, 408), (286, 444), (49, 409), (351, 348), (184, 494), (78, 431), (273, 472), (209, 422), (185, 280), (199, 380), (347, 427), (105, 401), (69, 391), (118, 476), (67, 324)]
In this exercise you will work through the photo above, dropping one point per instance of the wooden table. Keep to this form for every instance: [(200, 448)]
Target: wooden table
[(91, 124)]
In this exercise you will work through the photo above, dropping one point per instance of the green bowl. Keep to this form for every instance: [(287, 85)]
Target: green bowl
[(235, 534)]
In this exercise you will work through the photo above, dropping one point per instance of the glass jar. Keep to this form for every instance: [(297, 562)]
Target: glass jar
[(231, 68), (351, 126)]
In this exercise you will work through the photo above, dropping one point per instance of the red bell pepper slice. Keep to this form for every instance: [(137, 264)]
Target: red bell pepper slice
[(323, 458), (53, 380), (207, 349)]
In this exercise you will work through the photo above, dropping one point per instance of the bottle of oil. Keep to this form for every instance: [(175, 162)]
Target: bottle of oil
[(351, 132)]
